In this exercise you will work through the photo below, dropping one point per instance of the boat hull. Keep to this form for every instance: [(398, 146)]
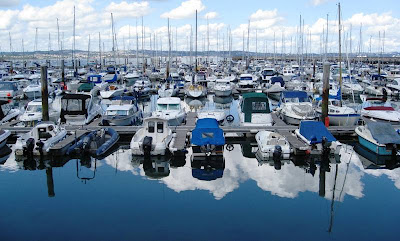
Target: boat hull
[(380, 150)]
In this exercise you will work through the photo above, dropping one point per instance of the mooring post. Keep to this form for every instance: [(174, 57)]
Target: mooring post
[(45, 93), (50, 182), (63, 71), (325, 92)]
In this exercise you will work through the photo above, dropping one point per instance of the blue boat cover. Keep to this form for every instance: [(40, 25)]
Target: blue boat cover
[(204, 175), (207, 131), (314, 131), (295, 94), (383, 133), (278, 79), (124, 98), (338, 96)]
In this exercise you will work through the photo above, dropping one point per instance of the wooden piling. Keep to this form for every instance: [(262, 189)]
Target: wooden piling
[(325, 92), (45, 94)]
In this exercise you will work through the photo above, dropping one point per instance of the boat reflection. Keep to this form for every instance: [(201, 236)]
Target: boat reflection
[(371, 160), (208, 169), (5, 153), (156, 168)]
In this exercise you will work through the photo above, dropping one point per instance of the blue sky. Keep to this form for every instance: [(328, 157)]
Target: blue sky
[(20, 18)]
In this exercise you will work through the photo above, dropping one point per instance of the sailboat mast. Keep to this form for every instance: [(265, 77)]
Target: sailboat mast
[(196, 46), (340, 56)]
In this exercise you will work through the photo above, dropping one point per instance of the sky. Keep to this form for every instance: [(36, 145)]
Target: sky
[(20, 19)]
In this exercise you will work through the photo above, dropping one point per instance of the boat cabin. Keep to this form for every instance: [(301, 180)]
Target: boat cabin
[(207, 139), (254, 103)]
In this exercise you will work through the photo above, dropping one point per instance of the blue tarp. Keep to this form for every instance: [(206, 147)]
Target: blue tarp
[(207, 131), (383, 133), (124, 98), (94, 78), (338, 96), (277, 79), (301, 95), (314, 131), (205, 175)]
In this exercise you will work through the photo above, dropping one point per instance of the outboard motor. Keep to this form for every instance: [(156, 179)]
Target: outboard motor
[(277, 164), (30, 144), (86, 143), (277, 153), (147, 143), (325, 146), (384, 92), (39, 147)]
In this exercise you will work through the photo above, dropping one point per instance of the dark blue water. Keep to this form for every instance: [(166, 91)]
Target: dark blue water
[(122, 198)]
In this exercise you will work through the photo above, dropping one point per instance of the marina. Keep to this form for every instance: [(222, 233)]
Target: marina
[(269, 125)]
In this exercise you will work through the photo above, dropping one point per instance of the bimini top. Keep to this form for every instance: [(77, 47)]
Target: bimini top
[(314, 131), (278, 79), (383, 133), (207, 131), (301, 95), (254, 103), (76, 96)]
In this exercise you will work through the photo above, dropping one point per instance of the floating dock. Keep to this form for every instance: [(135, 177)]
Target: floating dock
[(182, 132)]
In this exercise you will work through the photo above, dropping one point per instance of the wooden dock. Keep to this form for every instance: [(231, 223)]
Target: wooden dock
[(183, 132)]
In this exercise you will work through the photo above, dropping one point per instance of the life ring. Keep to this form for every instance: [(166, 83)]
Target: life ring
[(229, 147), (230, 118)]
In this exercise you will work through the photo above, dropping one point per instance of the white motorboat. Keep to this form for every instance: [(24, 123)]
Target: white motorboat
[(268, 73), (394, 85), (223, 88), (288, 73), (170, 109), (123, 111), (275, 88), (7, 112), (33, 113), (39, 140), (380, 138), (9, 89), (295, 106), (254, 110), (272, 145), (33, 91), (379, 109), (112, 91), (167, 90), (153, 139), (217, 114), (79, 109), (247, 83), (4, 134)]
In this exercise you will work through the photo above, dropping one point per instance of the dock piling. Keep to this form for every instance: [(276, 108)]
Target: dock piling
[(325, 92), (45, 94)]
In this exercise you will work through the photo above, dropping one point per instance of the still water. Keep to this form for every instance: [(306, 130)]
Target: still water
[(123, 198)]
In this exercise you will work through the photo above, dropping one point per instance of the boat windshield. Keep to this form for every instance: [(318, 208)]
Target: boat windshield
[(246, 78), (162, 107), (34, 108), (117, 112), (73, 104), (7, 86), (173, 107), (268, 72)]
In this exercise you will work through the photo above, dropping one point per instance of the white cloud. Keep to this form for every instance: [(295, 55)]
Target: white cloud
[(211, 15), (187, 9), (318, 2), (264, 14), (124, 9)]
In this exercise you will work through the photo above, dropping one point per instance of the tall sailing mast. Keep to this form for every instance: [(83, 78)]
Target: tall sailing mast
[(340, 56)]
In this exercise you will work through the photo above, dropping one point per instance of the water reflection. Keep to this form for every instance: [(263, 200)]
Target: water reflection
[(287, 179)]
